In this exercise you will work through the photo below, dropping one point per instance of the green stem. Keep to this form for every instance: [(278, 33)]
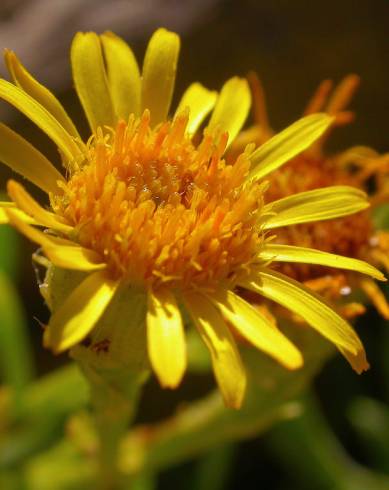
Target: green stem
[(206, 423), (214, 468), (115, 373), (113, 415), (320, 457), (114, 397)]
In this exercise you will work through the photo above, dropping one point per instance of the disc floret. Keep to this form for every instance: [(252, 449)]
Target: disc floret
[(158, 208)]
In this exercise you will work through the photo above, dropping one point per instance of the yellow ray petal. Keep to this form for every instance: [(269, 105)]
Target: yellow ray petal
[(22, 216), (352, 310), (166, 338), (231, 108), (289, 253), (287, 144), (200, 102), (159, 74), (41, 117), (123, 75), (23, 158), (257, 329), (357, 361), (27, 204), (61, 252), (376, 296), (77, 316), (380, 257), (227, 365), (316, 205), (307, 304), (35, 235), (40, 93), (74, 257), (90, 80)]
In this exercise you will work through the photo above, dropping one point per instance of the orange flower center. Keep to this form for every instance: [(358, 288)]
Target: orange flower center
[(347, 236), (158, 208)]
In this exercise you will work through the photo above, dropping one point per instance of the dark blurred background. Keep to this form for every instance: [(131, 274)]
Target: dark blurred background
[(293, 46)]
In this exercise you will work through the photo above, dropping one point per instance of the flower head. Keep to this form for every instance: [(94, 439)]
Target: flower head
[(147, 201), (354, 235), (144, 206)]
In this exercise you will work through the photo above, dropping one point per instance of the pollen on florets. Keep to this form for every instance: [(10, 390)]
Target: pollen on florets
[(158, 208)]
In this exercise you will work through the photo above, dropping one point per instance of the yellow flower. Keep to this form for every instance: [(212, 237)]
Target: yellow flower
[(144, 204), (355, 235)]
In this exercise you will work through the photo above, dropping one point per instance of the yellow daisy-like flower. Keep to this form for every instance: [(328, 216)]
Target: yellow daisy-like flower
[(145, 205), (355, 235)]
